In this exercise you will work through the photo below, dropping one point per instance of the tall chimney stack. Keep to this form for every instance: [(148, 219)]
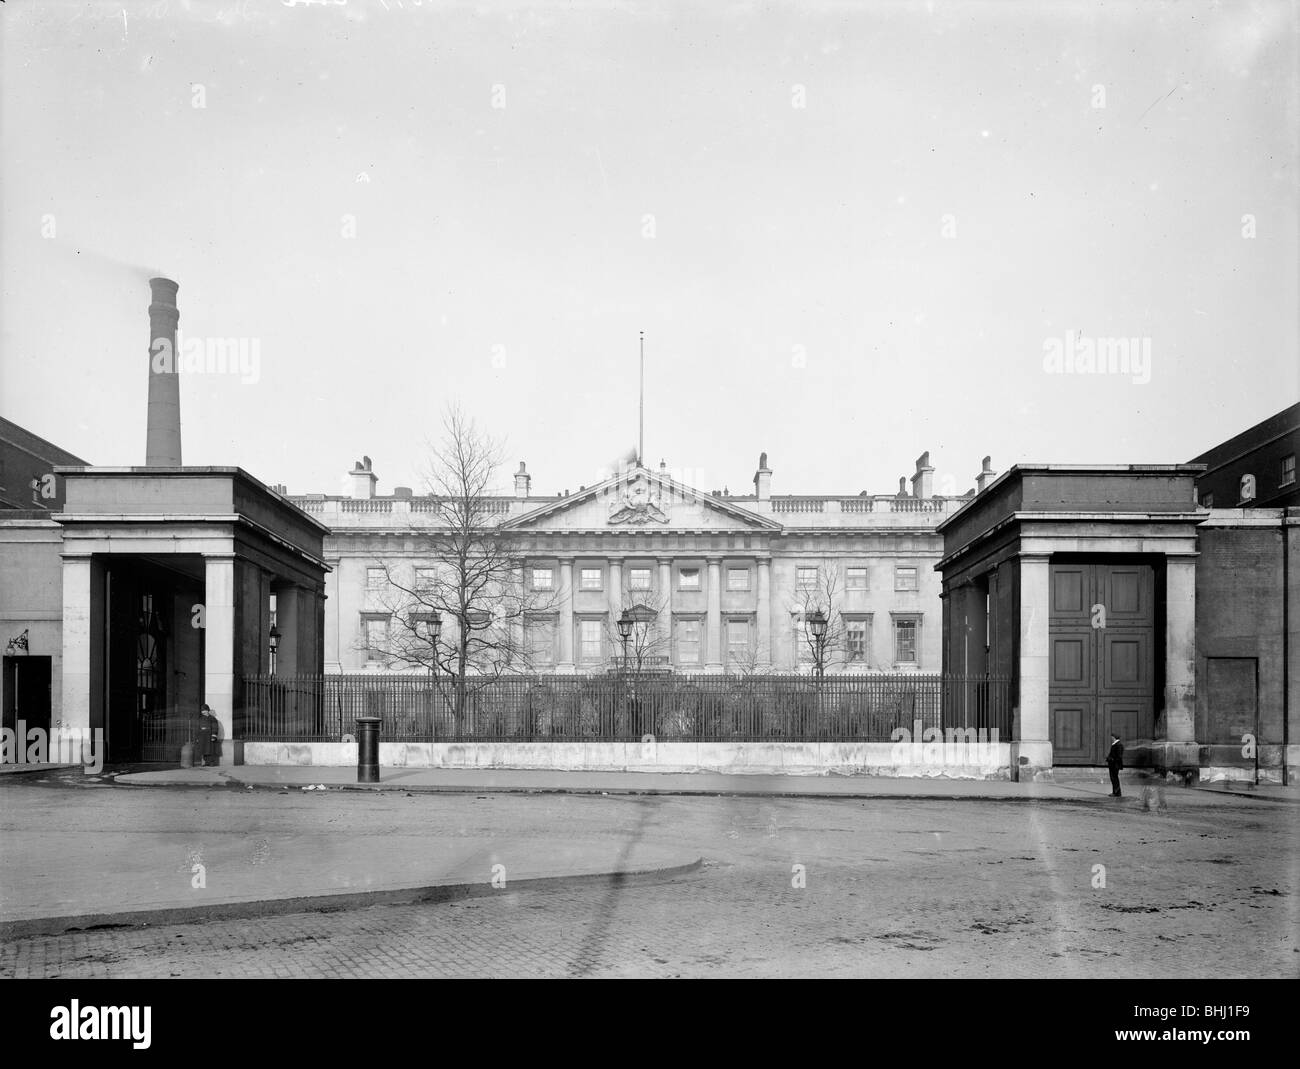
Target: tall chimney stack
[(523, 481), (923, 480), (163, 444), (763, 479)]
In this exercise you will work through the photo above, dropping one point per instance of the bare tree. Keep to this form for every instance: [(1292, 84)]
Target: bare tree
[(474, 584), (746, 662), (647, 641), (826, 595)]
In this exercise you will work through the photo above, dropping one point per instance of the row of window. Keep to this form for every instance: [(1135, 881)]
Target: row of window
[(688, 641), (1246, 488), (906, 577)]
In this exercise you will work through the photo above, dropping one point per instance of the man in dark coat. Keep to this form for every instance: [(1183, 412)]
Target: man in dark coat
[(207, 746), (1115, 761)]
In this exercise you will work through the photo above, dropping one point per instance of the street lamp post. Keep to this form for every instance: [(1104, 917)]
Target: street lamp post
[(433, 631), (817, 624), (625, 632), (275, 646)]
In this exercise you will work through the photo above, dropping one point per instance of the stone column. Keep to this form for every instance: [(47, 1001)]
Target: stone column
[(518, 632), (331, 653), (1180, 660), (289, 623), (714, 624), (219, 647), (666, 607), (78, 641), (615, 592), (565, 665), (764, 628), (614, 596), (1031, 748)]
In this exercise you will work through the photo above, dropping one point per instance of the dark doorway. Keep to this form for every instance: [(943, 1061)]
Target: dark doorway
[(27, 694), (153, 657), (1102, 658)]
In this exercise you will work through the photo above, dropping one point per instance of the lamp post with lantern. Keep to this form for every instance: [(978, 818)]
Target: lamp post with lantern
[(817, 623), (428, 626), (625, 623)]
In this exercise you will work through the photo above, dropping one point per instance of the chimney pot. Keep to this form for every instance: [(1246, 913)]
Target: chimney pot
[(523, 481), (763, 479), (363, 480), (923, 480), (986, 475)]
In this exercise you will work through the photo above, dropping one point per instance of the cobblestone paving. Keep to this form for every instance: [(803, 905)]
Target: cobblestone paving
[(890, 888)]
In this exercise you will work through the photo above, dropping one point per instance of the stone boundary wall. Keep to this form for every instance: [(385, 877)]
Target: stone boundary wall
[(955, 760)]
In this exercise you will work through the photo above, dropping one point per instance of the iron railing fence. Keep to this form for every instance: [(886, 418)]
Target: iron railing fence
[(621, 708), (160, 734)]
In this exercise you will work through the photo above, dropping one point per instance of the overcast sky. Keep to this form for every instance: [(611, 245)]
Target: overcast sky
[(850, 233)]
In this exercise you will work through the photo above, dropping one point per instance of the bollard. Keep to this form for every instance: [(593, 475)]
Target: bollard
[(368, 749)]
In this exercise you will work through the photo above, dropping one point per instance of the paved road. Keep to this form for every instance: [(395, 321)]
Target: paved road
[(889, 887)]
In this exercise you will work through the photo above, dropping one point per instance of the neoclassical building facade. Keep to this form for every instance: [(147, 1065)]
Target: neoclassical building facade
[(726, 581)]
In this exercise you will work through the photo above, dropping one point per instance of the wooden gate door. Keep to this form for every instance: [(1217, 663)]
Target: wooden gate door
[(1101, 637)]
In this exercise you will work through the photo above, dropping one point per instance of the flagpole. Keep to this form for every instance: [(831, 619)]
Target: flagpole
[(640, 446)]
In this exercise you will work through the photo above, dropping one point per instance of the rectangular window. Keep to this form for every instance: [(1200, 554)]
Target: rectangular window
[(803, 641), (737, 640), (855, 579), (424, 578), (688, 642), (855, 638), (541, 640), (905, 577), (376, 636), (591, 646), (543, 579), (638, 579), (688, 579), (737, 578), (806, 578), (376, 578), (905, 641), (590, 579), (1288, 470), (1208, 501)]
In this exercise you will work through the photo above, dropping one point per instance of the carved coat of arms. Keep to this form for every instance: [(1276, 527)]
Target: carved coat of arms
[(636, 505)]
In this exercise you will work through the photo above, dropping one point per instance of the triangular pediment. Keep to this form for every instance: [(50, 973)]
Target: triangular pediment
[(641, 500)]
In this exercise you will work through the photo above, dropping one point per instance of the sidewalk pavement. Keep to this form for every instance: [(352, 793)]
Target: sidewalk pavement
[(1072, 785)]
